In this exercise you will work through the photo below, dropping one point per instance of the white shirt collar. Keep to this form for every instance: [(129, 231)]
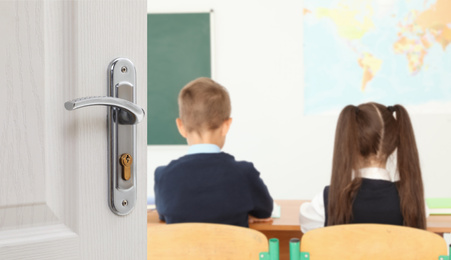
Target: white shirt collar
[(203, 148), (377, 174)]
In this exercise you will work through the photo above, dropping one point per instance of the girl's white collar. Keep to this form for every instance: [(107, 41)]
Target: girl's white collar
[(375, 173)]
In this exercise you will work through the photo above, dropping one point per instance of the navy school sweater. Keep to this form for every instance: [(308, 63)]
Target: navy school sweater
[(211, 188), (377, 201)]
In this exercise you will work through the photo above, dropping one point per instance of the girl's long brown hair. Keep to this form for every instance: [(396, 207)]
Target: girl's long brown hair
[(371, 130)]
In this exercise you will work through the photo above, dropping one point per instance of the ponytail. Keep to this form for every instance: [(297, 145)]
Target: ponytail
[(343, 187), (410, 186)]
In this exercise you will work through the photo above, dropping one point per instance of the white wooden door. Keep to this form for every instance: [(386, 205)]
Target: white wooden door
[(53, 163)]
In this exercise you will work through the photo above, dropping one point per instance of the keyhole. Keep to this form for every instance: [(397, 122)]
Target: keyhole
[(126, 161)]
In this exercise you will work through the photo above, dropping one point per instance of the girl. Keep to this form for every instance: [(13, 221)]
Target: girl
[(361, 189)]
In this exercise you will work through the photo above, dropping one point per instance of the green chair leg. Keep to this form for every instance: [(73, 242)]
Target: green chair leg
[(273, 253), (295, 253), (294, 249)]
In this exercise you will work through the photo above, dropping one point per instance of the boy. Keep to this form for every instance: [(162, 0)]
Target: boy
[(208, 185)]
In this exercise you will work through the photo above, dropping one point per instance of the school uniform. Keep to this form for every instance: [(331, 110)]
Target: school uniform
[(377, 201), (208, 185)]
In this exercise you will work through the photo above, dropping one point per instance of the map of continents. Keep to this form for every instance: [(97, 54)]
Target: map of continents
[(391, 52)]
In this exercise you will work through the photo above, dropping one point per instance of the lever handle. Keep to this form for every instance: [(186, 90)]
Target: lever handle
[(134, 114)]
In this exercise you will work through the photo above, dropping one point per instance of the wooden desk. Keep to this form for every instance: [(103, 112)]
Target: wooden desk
[(287, 226)]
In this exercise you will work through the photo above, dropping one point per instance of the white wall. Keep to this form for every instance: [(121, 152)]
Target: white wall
[(258, 57)]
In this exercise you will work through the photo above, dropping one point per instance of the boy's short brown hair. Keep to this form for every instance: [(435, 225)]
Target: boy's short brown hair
[(203, 105)]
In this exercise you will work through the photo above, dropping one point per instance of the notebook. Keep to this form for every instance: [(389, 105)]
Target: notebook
[(439, 206), (275, 211)]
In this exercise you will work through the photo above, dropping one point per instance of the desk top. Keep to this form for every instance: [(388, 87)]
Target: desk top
[(289, 219)]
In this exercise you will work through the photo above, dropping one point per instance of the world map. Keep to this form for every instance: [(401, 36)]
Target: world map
[(386, 51)]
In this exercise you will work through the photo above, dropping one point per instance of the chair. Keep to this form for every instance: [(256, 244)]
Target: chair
[(372, 241), (206, 241)]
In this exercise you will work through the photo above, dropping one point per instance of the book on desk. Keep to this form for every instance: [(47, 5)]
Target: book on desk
[(275, 211), (439, 206)]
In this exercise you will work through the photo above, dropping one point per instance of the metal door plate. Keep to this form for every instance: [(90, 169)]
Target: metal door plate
[(122, 137)]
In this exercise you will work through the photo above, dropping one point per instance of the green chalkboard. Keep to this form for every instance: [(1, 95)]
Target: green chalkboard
[(178, 51)]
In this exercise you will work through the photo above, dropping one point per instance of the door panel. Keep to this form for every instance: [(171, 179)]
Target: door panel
[(54, 166)]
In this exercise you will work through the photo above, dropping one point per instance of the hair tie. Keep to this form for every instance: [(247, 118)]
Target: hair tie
[(391, 108)]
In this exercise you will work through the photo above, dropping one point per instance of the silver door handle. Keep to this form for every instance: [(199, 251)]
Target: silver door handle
[(134, 114), (123, 115)]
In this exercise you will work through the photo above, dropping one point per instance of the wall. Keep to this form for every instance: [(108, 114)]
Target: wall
[(258, 57)]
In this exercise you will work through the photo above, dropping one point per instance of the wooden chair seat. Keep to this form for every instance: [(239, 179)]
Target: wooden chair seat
[(204, 241), (372, 241)]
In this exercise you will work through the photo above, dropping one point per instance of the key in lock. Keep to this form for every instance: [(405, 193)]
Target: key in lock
[(126, 161)]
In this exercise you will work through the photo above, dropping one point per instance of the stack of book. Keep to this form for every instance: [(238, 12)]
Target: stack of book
[(439, 206)]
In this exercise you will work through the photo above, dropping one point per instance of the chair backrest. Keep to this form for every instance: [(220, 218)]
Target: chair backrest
[(372, 241), (204, 241)]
